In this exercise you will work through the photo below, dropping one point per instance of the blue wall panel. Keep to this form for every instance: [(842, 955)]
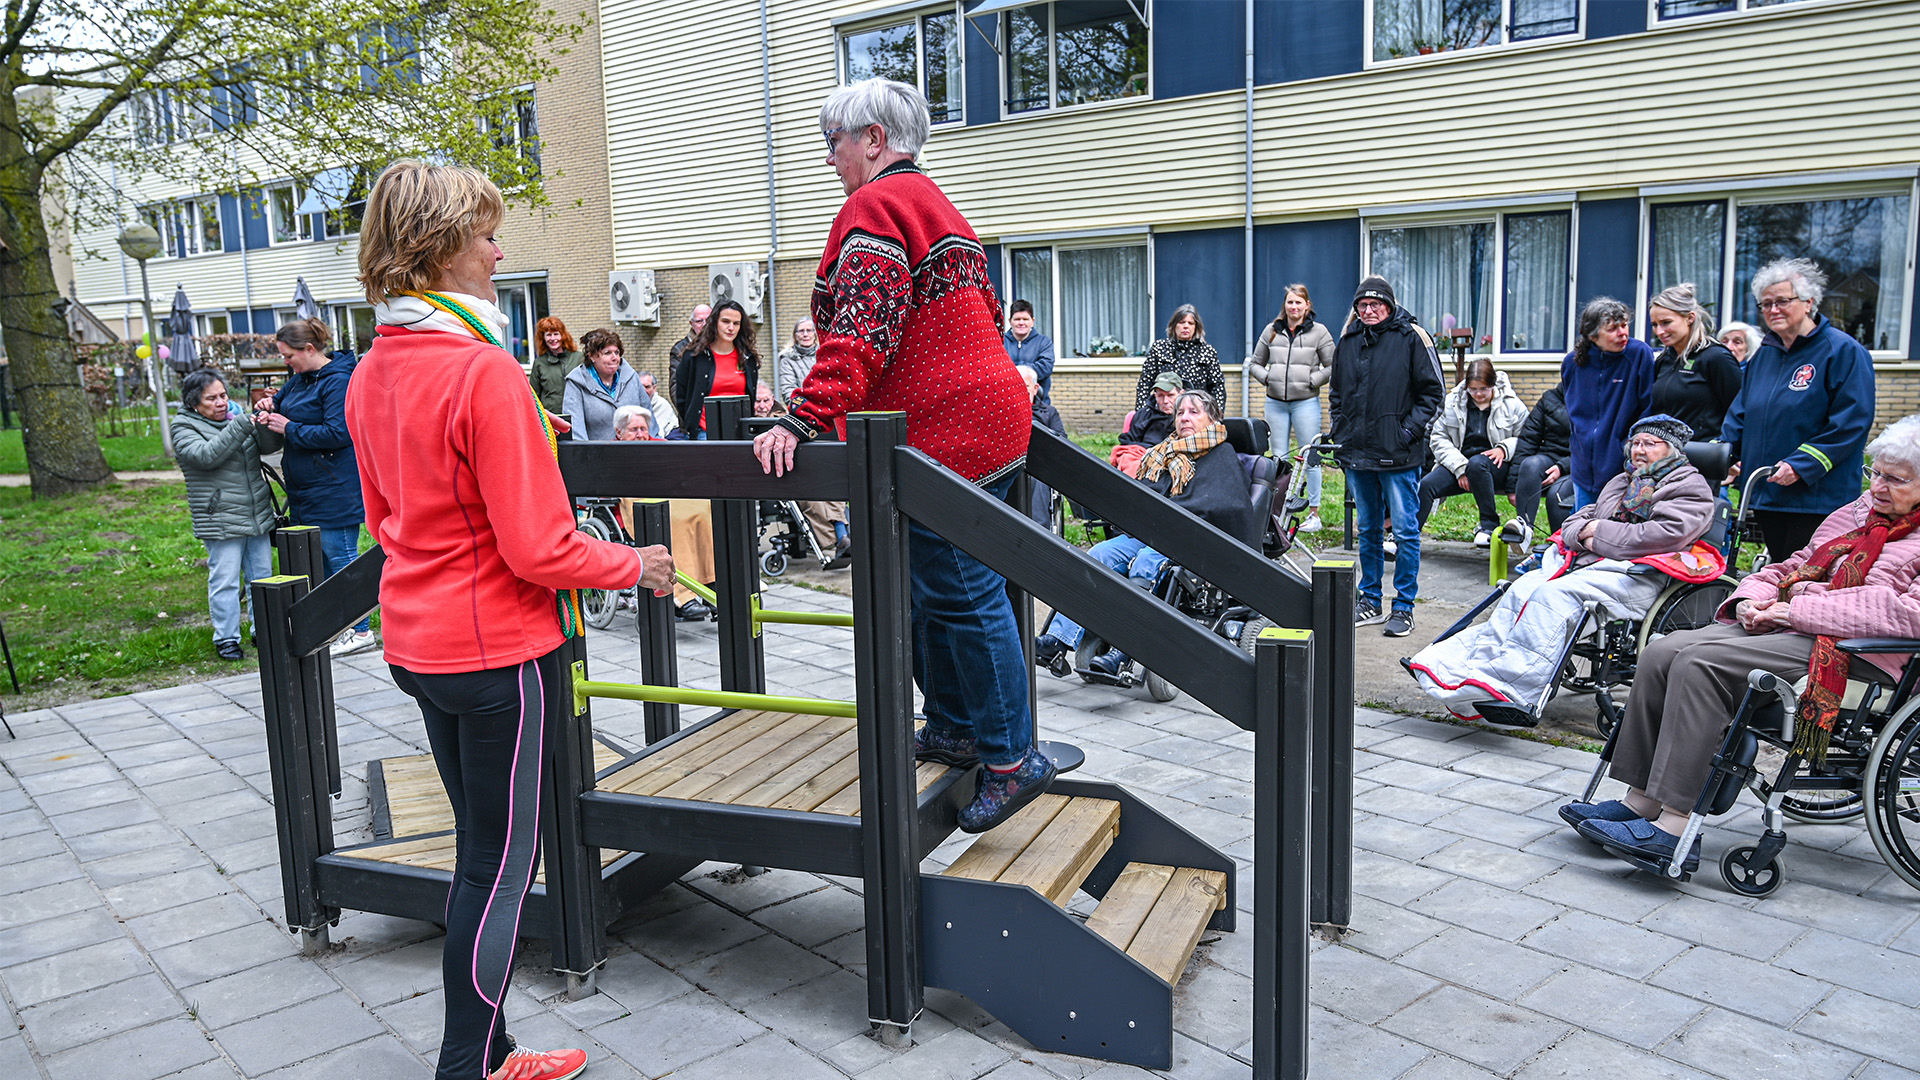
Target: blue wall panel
[(1609, 261), (1306, 39), (240, 321), (254, 214), (1205, 268), (997, 274), (230, 236), (1198, 47), (1611, 18), (263, 321), (1322, 255), (982, 70)]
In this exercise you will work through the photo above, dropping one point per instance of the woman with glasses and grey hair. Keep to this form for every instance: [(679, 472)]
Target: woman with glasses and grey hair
[(907, 320), (1805, 407), (1608, 380), (1695, 378)]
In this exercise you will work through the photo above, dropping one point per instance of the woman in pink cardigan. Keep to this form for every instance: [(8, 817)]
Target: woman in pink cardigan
[(1856, 578)]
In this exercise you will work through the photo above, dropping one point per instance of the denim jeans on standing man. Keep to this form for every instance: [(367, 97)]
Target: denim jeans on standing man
[(1376, 494), (231, 564), (338, 547), (1302, 419)]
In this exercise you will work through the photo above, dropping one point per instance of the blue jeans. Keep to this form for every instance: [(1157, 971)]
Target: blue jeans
[(967, 655), (1303, 418), (1374, 495), (338, 547), (230, 565), (1122, 555)]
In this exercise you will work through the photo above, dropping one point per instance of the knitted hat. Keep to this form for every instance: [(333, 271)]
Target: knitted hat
[(1670, 428), (1169, 380), (1374, 287)]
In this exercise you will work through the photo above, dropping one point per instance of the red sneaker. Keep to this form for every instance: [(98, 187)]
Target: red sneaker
[(535, 1065)]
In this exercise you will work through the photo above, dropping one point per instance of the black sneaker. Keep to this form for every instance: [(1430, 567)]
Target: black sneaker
[(694, 610), (229, 650), (1399, 624), (1366, 613)]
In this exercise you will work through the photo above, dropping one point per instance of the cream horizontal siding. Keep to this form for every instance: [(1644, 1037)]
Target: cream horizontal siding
[(221, 281)]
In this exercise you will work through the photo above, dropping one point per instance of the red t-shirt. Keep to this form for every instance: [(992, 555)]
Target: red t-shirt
[(728, 380)]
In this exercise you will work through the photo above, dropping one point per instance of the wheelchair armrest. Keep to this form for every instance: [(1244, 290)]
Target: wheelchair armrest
[(1869, 645)]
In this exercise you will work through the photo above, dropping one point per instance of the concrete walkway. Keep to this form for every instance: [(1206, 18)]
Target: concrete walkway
[(161, 475), (140, 933)]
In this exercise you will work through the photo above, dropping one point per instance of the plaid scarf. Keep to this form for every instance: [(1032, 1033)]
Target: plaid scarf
[(1638, 503), (1175, 456), (1842, 563)]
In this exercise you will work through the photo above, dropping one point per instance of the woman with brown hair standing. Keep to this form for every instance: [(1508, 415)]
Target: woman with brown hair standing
[(1293, 360), (721, 362), (554, 355), (1185, 352)]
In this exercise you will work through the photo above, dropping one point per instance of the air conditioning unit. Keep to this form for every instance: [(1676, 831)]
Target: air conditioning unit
[(740, 282), (632, 298)]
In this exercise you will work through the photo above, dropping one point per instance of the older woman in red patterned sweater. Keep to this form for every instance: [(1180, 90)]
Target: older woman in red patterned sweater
[(908, 321)]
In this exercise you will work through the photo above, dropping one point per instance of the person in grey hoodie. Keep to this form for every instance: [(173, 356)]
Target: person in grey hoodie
[(601, 385), (219, 448), (1293, 359)]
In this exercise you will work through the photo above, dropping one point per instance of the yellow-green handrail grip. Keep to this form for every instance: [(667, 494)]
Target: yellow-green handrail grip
[(1497, 561), (1286, 633), (801, 618), (585, 688), (697, 589)]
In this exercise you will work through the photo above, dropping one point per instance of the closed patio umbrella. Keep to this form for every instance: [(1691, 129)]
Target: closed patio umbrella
[(180, 325), (304, 305)]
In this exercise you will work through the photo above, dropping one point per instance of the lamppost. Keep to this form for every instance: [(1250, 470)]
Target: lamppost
[(140, 242)]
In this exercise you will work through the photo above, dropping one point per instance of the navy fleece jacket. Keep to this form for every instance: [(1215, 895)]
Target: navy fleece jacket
[(1810, 406), (1604, 398)]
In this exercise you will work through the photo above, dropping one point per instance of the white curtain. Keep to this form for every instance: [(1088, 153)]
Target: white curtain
[(1859, 243), (1033, 282), (1892, 275), (1103, 293), (1405, 27), (1439, 270), (1690, 244), (1536, 270)]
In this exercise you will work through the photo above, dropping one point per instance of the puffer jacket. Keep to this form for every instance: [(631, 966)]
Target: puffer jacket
[(591, 407), (1682, 513), (1505, 417), (1385, 393), (1887, 604), (221, 459), (1548, 431), (323, 476), (549, 377), (1293, 366)]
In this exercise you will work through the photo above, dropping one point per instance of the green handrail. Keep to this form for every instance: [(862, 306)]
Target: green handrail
[(697, 589), (802, 618), (584, 688)]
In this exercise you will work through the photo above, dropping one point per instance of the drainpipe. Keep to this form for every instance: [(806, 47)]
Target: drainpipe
[(240, 218), (1246, 376), (773, 210)]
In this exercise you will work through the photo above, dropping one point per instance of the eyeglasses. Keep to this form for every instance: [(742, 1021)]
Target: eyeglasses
[(1476, 391), (1886, 478), (1648, 443), (1778, 305), (830, 133), (1370, 305)]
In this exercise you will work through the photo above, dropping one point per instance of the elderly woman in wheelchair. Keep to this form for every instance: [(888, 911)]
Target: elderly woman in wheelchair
[(1199, 470), (1801, 619), (1613, 558)]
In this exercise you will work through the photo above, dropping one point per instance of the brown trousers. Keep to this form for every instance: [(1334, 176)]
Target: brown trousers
[(1684, 693), (820, 517), (691, 541)]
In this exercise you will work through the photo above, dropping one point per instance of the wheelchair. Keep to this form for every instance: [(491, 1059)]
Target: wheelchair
[(1872, 768), (786, 536), (1601, 653), (1185, 591), (600, 519)]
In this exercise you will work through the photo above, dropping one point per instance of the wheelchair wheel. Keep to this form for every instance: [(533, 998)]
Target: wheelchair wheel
[(1737, 869), (1893, 794), (1160, 689), (1684, 607), (773, 562), (598, 605), (1250, 633), (1823, 807)]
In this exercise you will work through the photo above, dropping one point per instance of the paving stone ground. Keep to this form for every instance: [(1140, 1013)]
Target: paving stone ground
[(141, 933)]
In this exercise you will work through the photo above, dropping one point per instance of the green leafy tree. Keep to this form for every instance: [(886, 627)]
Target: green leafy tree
[(102, 95)]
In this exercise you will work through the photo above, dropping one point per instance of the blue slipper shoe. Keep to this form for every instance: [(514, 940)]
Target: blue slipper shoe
[(1612, 810), (1639, 841)]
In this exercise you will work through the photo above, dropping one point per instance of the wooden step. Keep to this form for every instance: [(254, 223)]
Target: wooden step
[(1052, 844), (417, 802), (1157, 914)]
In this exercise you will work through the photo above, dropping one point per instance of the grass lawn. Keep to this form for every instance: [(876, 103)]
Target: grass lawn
[(138, 448)]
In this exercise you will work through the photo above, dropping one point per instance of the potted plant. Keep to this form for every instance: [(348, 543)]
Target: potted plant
[(1106, 345)]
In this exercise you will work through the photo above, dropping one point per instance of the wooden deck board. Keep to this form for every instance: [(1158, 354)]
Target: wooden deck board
[(1129, 902), (990, 855), (748, 777), (700, 745), (742, 755), (1075, 839), (1167, 938), (417, 801)]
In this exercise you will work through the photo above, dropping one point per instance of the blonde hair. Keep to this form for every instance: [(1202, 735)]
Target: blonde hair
[(418, 217), (1681, 300)]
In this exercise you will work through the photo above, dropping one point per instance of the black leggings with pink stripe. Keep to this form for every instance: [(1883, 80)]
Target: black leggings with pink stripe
[(486, 729)]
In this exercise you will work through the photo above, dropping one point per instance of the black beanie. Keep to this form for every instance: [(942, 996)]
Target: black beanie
[(1374, 287)]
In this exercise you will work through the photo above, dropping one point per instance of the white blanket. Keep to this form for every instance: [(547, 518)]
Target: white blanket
[(1510, 656)]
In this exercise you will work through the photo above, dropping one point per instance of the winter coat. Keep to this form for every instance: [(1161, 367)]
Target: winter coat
[(226, 492), (591, 406), (1150, 427), (323, 476), (1606, 396), (1036, 352), (1682, 512), (1195, 361), (1386, 393), (1887, 604), (1219, 493), (792, 367), (549, 377), (1047, 416), (1506, 415), (696, 382), (1811, 407), (1547, 431), (1293, 366), (1696, 390)]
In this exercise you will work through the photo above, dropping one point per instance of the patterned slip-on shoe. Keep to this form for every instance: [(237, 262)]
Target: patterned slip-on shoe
[(959, 751), (1000, 795)]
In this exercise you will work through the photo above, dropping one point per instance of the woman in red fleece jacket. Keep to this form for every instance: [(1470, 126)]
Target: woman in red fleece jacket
[(464, 495)]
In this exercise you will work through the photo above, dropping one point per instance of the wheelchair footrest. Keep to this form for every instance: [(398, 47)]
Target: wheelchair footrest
[(1506, 713)]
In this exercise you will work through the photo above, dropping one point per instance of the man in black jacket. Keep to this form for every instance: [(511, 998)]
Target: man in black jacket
[(1386, 392), (1542, 465)]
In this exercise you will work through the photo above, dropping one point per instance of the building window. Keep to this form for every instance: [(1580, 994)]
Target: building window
[(1445, 273), (922, 51), (215, 324), (1422, 27), (1860, 240), (1093, 301), (353, 326), (512, 122), (1074, 53), (187, 227), (285, 224), (1680, 9)]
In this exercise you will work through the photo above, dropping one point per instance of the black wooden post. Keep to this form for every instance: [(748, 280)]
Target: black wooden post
[(295, 762), (300, 553), (575, 896), (1333, 702), (1282, 834), (736, 560), (659, 660), (882, 652)]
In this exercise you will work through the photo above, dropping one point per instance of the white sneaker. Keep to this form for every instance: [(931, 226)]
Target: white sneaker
[(352, 641), (1483, 538), (1312, 524), (1391, 549), (1517, 533)]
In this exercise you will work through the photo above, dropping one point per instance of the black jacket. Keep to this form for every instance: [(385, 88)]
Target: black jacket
[(1548, 431), (696, 380), (1220, 493), (1386, 393), (1150, 427), (1047, 416), (1699, 390)]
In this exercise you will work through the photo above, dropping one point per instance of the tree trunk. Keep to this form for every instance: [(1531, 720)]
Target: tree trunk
[(62, 444)]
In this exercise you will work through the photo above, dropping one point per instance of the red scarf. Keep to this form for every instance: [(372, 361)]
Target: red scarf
[(1842, 563)]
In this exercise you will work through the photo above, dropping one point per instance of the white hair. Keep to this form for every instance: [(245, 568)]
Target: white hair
[(1808, 280), (1745, 330), (898, 108), (625, 413), (1899, 443), (1029, 373)]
